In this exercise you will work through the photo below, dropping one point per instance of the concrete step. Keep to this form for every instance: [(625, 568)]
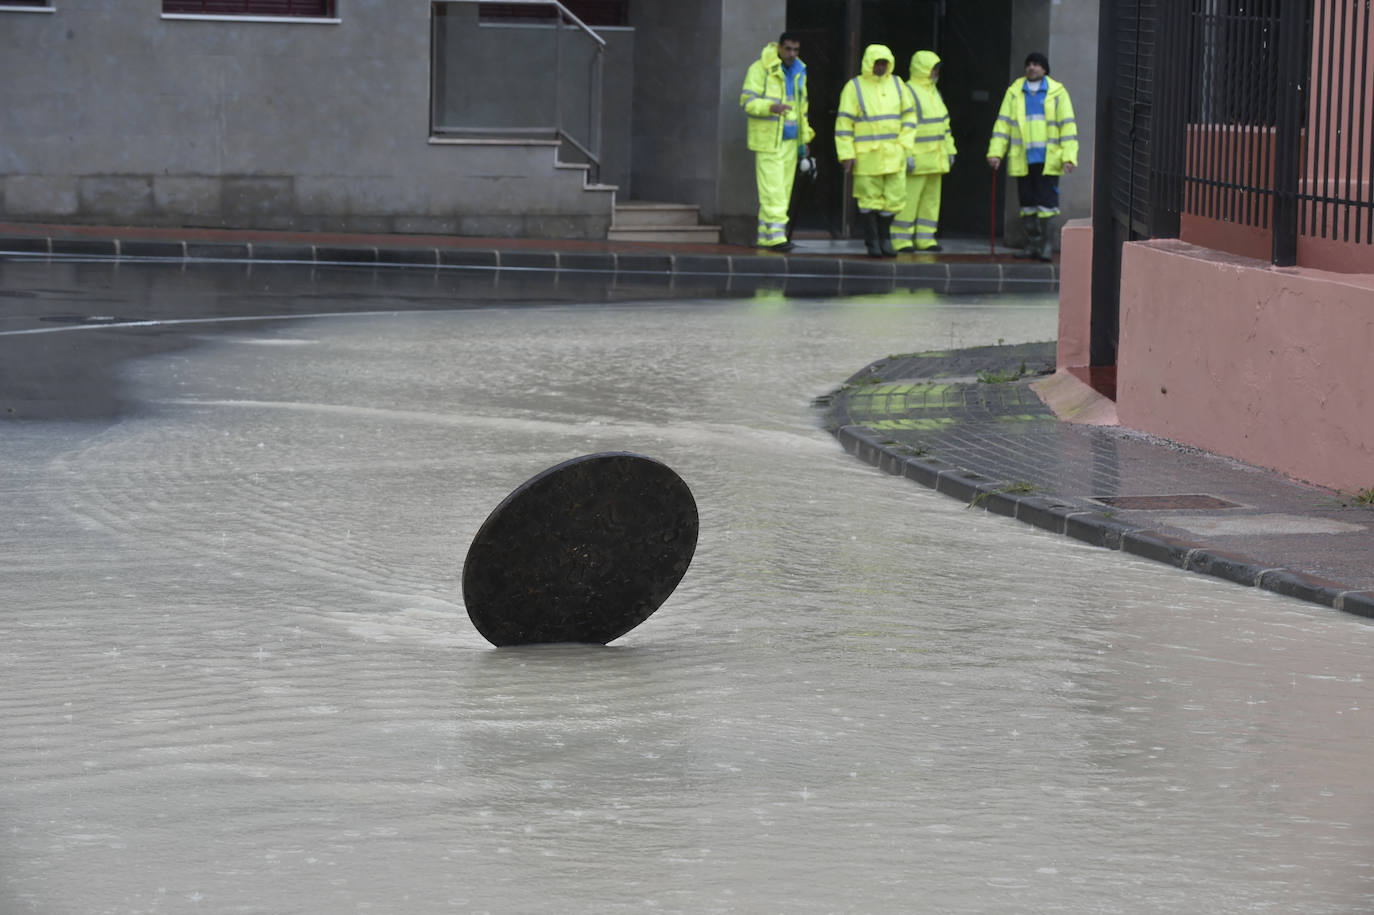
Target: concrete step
[(634, 213), (666, 235)]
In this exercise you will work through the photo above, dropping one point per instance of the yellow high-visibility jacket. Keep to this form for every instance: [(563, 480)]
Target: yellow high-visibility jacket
[(933, 144), (765, 84), (876, 122), (1013, 132)]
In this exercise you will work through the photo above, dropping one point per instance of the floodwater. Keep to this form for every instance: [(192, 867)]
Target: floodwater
[(236, 674)]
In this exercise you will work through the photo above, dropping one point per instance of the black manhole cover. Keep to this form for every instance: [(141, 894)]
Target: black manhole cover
[(1181, 502), (583, 552)]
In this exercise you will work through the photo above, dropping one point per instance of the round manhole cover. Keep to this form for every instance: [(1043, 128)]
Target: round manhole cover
[(582, 552)]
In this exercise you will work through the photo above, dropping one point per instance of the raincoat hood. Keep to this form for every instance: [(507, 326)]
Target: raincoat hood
[(770, 59), (922, 63), (874, 53)]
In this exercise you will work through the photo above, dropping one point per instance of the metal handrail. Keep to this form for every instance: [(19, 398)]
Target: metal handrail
[(569, 14), (595, 141)]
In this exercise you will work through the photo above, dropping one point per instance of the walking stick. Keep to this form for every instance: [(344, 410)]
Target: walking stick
[(992, 216)]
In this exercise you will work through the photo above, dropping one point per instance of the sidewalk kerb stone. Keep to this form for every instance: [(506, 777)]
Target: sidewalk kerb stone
[(856, 275), (906, 272), (527, 260), (751, 282), (1303, 587), (924, 470), (170, 250), (963, 485), (825, 267), (338, 254), (27, 245), (1361, 603), (715, 264), (1151, 544), (871, 269), (643, 263), (991, 273), (996, 501), (408, 257), (469, 257), (1042, 513), (758, 265), (889, 461), (273, 251), (218, 251), (597, 261), (85, 247), (1233, 567), (1097, 529)]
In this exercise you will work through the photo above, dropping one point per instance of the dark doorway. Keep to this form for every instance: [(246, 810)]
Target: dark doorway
[(973, 39)]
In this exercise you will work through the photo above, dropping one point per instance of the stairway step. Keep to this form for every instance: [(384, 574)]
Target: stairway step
[(668, 235), (646, 213)]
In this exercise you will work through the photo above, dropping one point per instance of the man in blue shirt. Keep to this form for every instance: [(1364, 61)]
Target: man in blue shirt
[(774, 99), (1037, 134)]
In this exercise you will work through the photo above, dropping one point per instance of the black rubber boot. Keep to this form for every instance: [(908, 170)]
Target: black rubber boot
[(1030, 223), (885, 235), (1046, 250), (870, 224)]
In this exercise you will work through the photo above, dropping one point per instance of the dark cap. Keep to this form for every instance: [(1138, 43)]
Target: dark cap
[(1035, 57)]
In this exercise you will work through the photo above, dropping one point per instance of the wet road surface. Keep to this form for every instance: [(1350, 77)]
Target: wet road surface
[(237, 674)]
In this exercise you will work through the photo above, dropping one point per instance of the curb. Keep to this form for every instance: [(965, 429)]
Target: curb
[(1096, 528), (766, 267)]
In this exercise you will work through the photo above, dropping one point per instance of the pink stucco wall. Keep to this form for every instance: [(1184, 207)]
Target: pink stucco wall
[(1075, 293), (1274, 366)]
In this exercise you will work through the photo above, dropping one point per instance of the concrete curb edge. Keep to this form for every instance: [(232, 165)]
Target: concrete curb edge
[(766, 266), (1096, 528)]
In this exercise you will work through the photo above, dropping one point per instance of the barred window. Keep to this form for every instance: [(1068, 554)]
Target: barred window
[(302, 9)]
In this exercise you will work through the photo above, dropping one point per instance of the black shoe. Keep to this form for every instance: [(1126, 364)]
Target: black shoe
[(885, 248), (931, 250), (781, 246), (870, 226)]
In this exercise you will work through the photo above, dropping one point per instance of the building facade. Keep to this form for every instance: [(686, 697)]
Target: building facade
[(459, 117)]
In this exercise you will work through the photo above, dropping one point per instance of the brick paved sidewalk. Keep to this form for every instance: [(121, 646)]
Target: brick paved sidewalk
[(969, 425)]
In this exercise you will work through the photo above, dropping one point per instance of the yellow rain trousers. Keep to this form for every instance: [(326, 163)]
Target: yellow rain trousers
[(933, 146), (916, 224), (885, 194), (775, 171)]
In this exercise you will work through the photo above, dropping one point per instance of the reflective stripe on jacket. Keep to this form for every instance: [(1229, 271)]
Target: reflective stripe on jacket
[(1012, 131), (933, 144), (764, 85), (876, 122)]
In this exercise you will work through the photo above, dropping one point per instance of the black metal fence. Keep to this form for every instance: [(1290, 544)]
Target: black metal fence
[(1252, 112)]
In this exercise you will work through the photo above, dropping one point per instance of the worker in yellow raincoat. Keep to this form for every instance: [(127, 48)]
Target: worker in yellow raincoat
[(775, 101), (1038, 136), (931, 158), (874, 129)]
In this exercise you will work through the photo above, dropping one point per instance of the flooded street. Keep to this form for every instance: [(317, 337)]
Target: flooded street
[(236, 673)]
